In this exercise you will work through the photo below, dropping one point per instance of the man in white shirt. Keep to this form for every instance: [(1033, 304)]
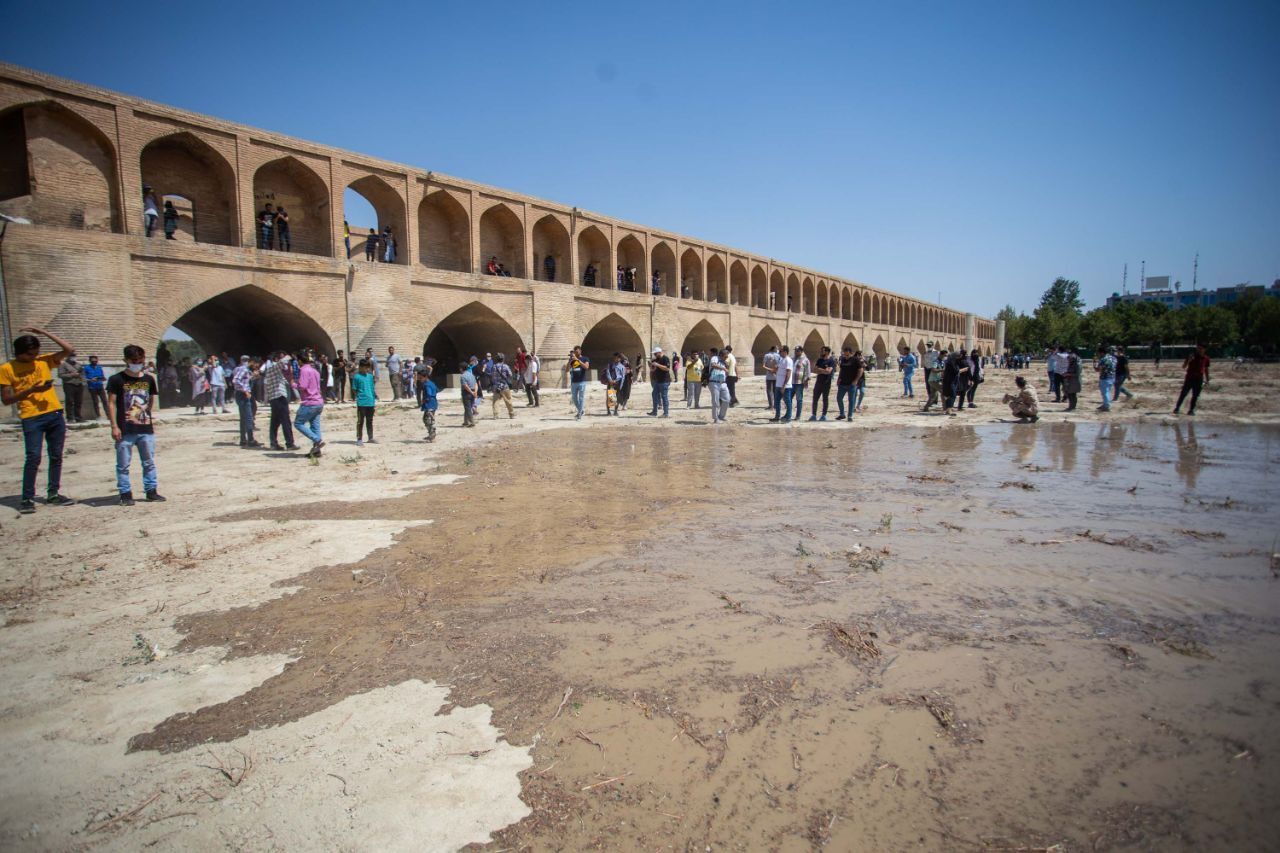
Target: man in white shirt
[(393, 372), (799, 380), (530, 377), (770, 368), (782, 374)]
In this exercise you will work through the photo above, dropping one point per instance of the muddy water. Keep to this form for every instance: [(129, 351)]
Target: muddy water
[(1005, 637)]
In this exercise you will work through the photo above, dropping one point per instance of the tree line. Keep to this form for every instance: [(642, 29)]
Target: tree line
[(1249, 326)]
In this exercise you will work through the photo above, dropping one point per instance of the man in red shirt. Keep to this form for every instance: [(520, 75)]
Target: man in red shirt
[(1197, 367)]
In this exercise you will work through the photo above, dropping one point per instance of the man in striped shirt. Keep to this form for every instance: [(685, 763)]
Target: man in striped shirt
[(275, 384)]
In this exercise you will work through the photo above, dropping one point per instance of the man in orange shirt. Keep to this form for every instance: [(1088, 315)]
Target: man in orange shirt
[(27, 382)]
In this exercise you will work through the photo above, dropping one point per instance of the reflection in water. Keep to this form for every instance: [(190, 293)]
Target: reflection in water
[(1021, 443), (1106, 446), (1063, 447), (1190, 454)]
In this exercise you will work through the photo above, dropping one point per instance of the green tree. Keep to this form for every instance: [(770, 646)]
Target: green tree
[(1263, 328), (1063, 296), (1201, 324), (1103, 327)]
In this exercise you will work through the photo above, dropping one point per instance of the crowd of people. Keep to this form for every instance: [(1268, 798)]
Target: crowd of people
[(311, 380)]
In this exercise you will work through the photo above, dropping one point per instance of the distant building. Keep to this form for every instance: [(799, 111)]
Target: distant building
[(1185, 298)]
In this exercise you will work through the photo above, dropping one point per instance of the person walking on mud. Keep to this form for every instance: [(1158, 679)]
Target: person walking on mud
[(1106, 370), (613, 376), (502, 379), (1195, 378)]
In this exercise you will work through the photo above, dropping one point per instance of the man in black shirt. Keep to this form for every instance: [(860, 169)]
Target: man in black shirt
[(131, 396), (1122, 375), (823, 368), (660, 377), (579, 372), (850, 372)]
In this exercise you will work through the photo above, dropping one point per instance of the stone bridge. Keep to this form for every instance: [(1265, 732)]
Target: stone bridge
[(73, 159)]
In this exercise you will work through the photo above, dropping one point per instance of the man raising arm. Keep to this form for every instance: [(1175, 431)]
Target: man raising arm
[(27, 382)]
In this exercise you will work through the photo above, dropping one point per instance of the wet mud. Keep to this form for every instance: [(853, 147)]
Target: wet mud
[(973, 638)]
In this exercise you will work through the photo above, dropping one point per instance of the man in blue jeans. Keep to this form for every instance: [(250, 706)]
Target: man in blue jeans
[(131, 397), (660, 379), (579, 373), (27, 382)]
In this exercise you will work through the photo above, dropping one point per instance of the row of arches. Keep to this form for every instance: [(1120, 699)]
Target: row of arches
[(250, 320), (56, 167)]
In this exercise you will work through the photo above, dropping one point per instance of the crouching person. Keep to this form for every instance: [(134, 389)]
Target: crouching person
[(1024, 405), (131, 398)]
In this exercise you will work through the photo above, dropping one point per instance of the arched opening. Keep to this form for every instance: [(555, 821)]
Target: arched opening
[(181, 166), (444, 233), (875, 308), (860, 306), (287, 182), (921, 349), (388, 219), (473, 329), (880, 350), (794, 296), (251, 321), (777, 292), (739, 285), (702, 337), (610, 335), (851, 342), (631, 262), (58, 169), (593, 259), (902, 345), (759, 288), (691, 275), (717, 281), (664, 268), (813, 344), (822, 299), (550, 241), (764, 340), (502, 240), (808, 297), (846, 303)]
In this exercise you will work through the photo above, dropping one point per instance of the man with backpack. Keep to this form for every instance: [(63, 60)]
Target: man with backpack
[(500, 383)]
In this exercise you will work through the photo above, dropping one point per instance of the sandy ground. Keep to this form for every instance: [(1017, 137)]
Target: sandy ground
[(635, 633)]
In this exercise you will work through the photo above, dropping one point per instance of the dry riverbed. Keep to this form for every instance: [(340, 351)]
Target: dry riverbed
[(918, 632)]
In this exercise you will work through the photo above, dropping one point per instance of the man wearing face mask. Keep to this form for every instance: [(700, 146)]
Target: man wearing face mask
[(131, 397)]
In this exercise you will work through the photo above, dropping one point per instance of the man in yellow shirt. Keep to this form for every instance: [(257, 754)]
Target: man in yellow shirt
[(27, 382)]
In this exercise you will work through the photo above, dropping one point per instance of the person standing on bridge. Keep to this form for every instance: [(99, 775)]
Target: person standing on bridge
[(282, 229), (150, 209), (266, 227), (27, 382), (549, 267)]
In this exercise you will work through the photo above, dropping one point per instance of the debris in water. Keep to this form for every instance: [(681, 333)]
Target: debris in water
[(859, 643)]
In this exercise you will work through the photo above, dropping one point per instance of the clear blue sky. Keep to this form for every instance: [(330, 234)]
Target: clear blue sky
[(977, 149)]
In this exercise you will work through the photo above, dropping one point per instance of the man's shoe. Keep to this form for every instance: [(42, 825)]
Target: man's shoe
[(1035, 418), (155, 497), (252, 444), (126, 499), (774, 420), (813, 417), (359, 443), (823, 418), (26, 507), (59, 500), (291, 447), (275, 446)]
